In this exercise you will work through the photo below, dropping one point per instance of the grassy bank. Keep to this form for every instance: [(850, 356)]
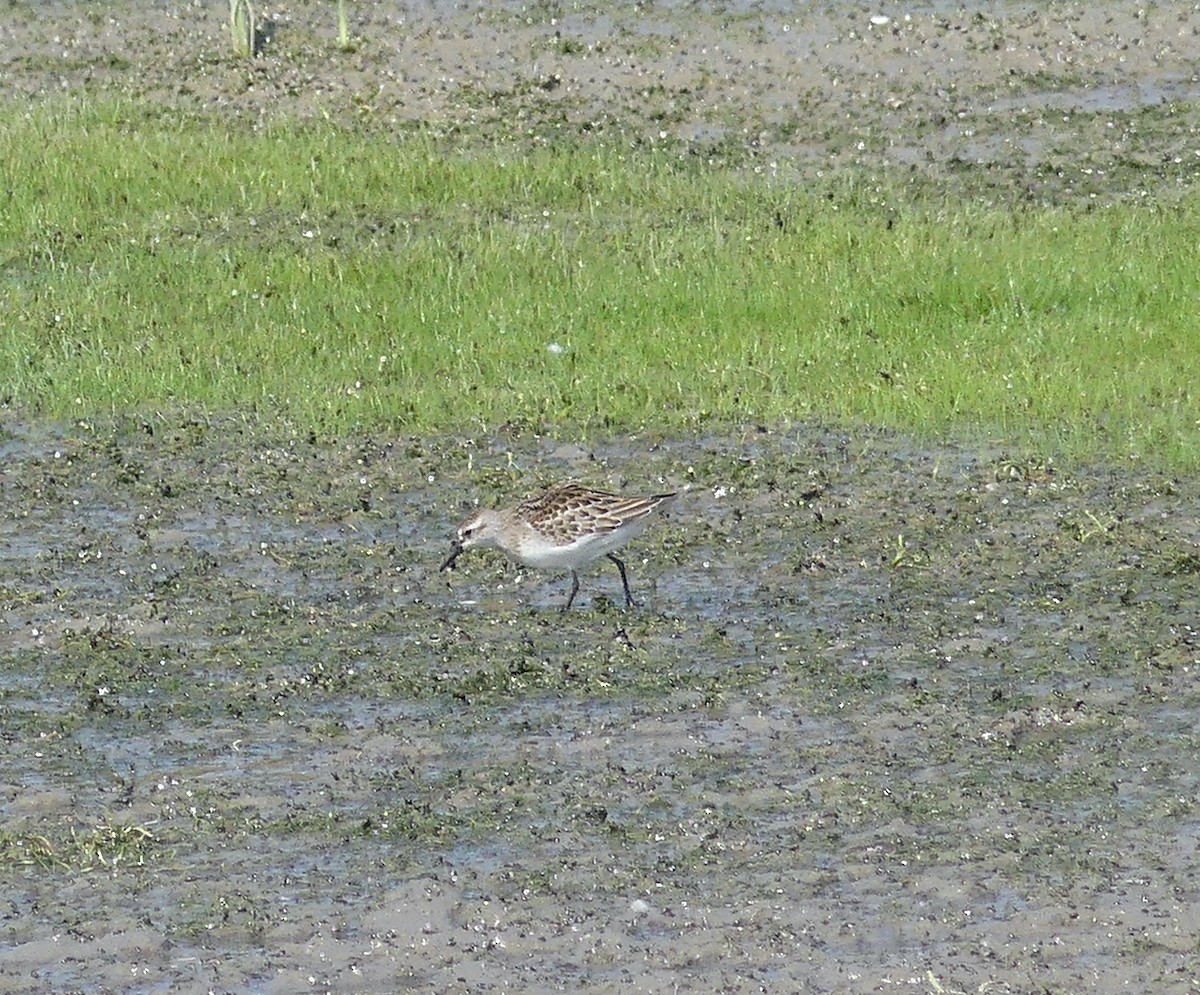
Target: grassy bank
[(353, 279)]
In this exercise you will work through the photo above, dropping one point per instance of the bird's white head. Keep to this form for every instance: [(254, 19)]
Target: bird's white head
[(480, 529)]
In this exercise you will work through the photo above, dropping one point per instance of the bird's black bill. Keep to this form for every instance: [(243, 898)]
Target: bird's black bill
[(455, 553)]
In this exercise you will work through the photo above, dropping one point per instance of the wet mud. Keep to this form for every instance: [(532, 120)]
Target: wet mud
[(889, 718), (1009, 102)]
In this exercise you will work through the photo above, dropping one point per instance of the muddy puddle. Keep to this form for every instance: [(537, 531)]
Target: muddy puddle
[(890, 718)]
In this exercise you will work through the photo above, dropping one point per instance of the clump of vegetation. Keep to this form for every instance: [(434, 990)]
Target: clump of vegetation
[(105, 846), (344, 41), (241, 26)]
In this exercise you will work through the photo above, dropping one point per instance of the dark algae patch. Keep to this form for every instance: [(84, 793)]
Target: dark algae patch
[(890, 717)]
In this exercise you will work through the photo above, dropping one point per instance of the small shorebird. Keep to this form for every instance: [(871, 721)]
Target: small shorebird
[(567, 526)]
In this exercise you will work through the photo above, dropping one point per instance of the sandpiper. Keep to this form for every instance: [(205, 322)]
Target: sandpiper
[(567, 526)]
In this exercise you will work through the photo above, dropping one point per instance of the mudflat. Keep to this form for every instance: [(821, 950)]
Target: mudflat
[(1009, 101), (888, 718)]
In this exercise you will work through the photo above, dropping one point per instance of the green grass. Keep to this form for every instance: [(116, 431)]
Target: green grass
[(357, 279)]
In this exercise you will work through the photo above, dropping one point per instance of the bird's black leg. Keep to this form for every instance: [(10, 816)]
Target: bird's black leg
[(574, 589), (629, 602)]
